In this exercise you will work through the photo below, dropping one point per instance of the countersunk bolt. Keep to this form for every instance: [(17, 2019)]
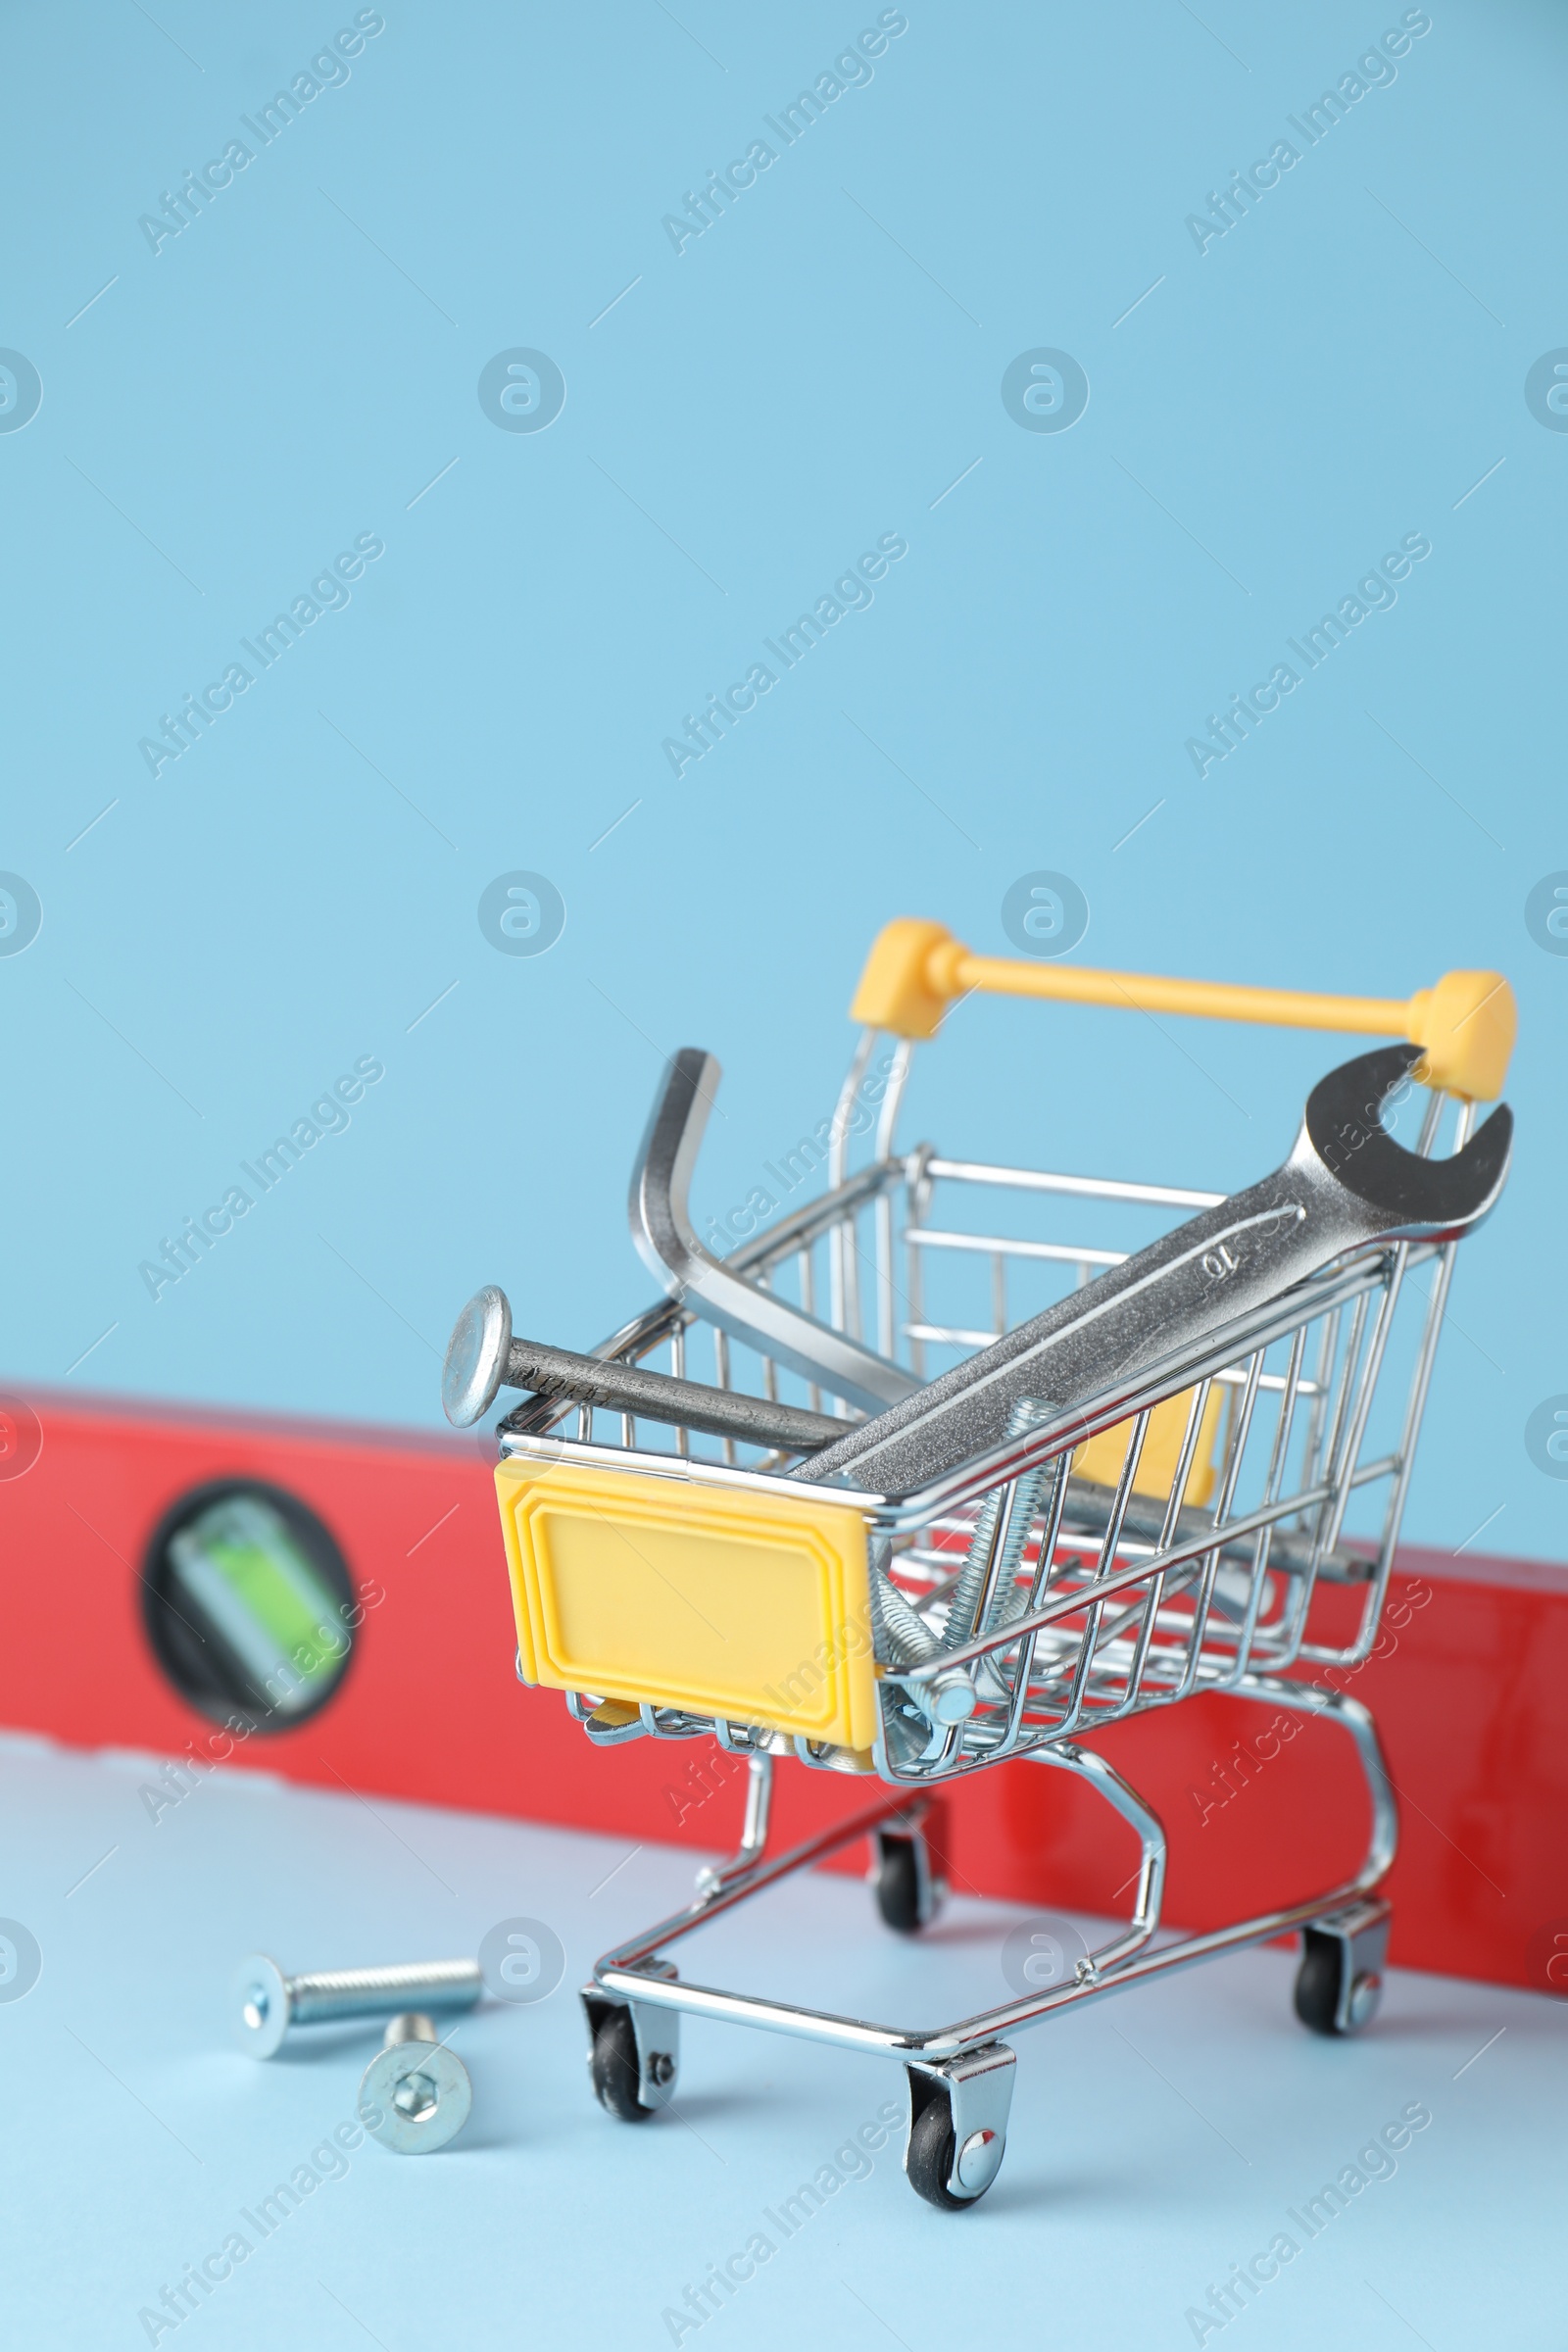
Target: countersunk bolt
[(266, 2003), (414, 2094)]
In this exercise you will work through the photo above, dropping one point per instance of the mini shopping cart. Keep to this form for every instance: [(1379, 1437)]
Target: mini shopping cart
[(1011, 1528)]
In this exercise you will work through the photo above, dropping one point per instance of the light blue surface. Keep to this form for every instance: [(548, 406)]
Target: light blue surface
[(1156, 2141), (299, 367)]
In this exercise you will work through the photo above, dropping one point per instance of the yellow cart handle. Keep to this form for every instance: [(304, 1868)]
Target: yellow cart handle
[(1465, 1026)]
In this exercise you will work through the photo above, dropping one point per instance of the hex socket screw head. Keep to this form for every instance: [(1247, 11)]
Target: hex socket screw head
[(414, 2096), (269, 2005), (263, 2002)]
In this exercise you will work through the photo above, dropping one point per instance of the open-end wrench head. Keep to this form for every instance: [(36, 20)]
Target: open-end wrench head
[(476, 1358), (1347, 1187), (1423, 1199)]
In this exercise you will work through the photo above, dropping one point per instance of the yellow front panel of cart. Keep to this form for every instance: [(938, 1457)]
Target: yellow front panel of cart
[(712, 1598)]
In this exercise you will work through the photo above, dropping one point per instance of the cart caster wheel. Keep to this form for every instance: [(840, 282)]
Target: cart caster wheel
[(906, 1895), (1320, 1981), (614, 2068), (929, 2158)]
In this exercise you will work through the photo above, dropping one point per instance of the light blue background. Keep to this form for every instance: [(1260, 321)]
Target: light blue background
[(813, 372), (1154, 2141)]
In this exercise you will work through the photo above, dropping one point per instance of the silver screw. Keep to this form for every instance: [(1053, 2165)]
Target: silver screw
[(904, 1639), (268, 2003), (1028, 1412), (414, 2094)]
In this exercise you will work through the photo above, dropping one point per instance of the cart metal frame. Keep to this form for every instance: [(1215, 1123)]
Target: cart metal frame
[(1094, 1608)]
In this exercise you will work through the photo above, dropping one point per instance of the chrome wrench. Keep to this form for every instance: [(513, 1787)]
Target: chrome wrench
[(1347, 1187)]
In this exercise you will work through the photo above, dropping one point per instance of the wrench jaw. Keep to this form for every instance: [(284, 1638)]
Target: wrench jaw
[(1347, 1188), (1345, 1146)]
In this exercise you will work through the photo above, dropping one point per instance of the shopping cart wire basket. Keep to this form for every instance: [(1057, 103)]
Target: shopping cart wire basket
[(980, 1534)]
